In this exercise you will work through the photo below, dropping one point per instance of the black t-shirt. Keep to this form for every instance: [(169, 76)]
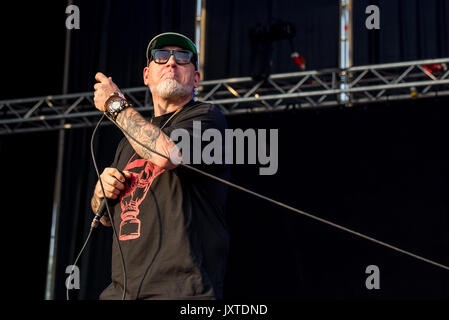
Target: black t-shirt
[(171, 223)]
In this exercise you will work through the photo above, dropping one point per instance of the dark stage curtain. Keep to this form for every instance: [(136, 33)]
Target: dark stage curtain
[(228, 47), (114, 35), (380, 169), (409, 30)]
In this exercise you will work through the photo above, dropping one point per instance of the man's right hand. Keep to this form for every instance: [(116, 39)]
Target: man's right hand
[(113, 184)]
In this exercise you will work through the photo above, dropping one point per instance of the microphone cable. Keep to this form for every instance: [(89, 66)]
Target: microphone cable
[(74, 264), (93, 225), (258, 195)]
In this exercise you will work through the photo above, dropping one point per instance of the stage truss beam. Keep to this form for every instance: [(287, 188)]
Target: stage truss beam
[(285, 91)]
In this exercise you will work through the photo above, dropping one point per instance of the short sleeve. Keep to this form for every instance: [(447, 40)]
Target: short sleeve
[(195, 122), (209, 116)]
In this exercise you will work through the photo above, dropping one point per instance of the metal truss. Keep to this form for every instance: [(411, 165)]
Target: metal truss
[(285, 91)]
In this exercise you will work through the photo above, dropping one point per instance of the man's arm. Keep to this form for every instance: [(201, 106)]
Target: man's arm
[(113, 184), (95, 203), (139, 128), (149, 135)]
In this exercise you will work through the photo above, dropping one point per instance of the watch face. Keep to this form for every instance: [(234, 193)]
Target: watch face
[(115, 105)]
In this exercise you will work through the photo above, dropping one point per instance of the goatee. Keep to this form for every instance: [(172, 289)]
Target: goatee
[(170, 88)]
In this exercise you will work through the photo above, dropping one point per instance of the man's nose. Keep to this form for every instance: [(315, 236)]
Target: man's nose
[(171, 61)]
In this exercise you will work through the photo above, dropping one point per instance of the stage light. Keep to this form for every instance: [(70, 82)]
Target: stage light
[(434, 70), (298, 60), (262, 38), (413, 92)]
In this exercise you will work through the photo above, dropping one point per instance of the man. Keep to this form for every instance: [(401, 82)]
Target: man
[(169, 219)]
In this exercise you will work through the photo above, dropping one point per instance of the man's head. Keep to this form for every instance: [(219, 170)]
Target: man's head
[(173, 39), (172, 69)]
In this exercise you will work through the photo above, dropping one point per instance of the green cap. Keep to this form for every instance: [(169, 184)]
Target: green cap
[(173, 39)]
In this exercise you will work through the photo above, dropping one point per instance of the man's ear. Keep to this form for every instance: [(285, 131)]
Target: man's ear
[(197, 76), (145, 75)]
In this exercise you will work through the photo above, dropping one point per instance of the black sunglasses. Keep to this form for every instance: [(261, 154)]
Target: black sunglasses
[(161, 56)]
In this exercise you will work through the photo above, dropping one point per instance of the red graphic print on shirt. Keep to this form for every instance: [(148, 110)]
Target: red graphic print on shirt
[(143, 173)]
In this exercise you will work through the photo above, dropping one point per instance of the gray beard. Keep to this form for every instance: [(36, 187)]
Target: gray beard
[(170, 88)]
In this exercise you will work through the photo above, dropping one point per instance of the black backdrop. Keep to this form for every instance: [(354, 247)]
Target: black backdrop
[(409, 30), (229, 51), (381, 169)]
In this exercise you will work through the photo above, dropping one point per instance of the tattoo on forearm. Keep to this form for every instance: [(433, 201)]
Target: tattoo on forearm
[(95, 203), (141, 130)]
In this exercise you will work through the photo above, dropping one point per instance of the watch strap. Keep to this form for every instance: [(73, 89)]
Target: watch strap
[(114, 113)]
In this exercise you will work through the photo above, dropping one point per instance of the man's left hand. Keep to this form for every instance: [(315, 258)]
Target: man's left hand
[(103, 89)]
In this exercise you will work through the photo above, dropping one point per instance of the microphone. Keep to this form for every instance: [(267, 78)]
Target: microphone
[(102, 208), (100, 212)]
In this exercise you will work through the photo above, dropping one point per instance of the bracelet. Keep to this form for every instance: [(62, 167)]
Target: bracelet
[(115, 104), (117, 93), (114, 94)]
